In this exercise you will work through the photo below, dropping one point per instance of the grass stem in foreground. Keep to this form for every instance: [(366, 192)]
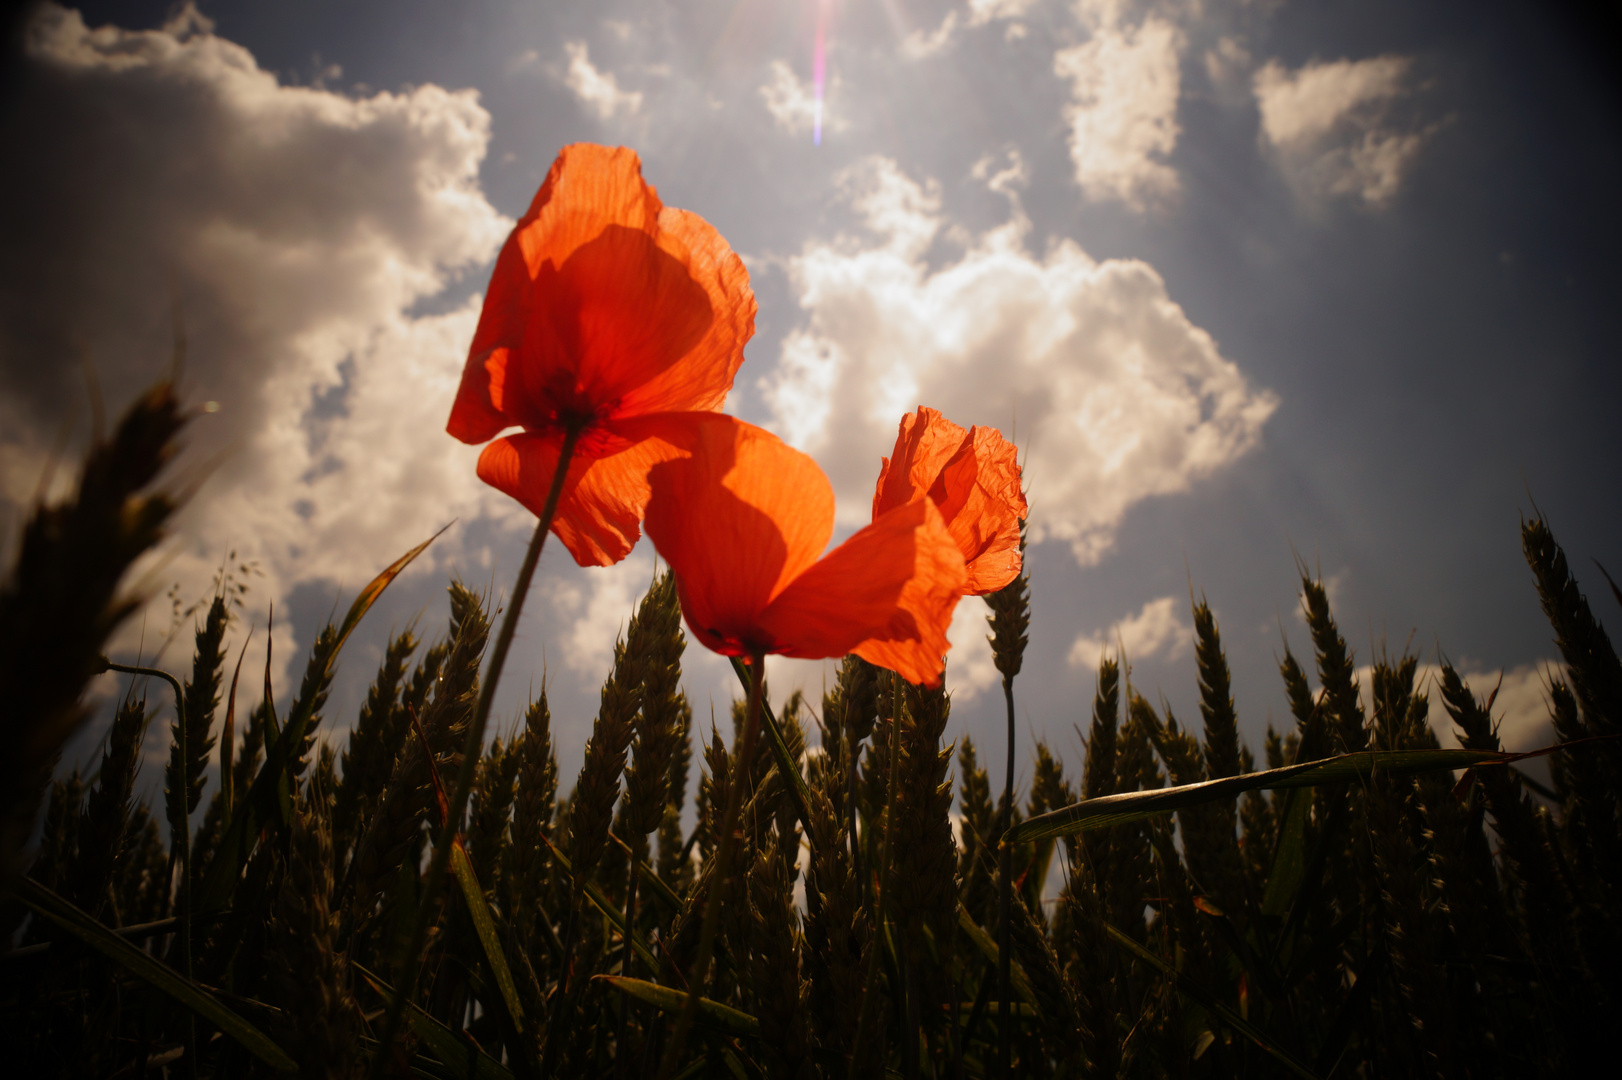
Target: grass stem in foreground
[(1005, 893), (725, 851), (470, 755), (884, 872), (1010, 622), (182, 847)]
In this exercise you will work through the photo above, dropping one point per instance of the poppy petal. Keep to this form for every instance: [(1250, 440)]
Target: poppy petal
[(923, 446), (587, 189), (603, 497), (887, 594), (477, 415), (737, 520), (522, 466), (619, 313), (979, 495), (603, 303), (704, 376)]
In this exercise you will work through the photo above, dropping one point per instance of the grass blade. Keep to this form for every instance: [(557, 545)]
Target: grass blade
[(1211, 1004), (602, 903), (484, 925), (457, 1055), (1289, 857), (368, 596), (154, 972), (785, 761), (988, 948), (228, 732), (647, 873), (263, 798), (1131, 806), (712, 1014)]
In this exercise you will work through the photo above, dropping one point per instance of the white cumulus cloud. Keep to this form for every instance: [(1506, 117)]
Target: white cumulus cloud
[(597, 90), (793, 103), (1155, 630), (1117, 395), (984, 11), (292, 228), (918, 44), (1331, 127), (969, 666), (1520, 706), (1123, 110), (597, 605)]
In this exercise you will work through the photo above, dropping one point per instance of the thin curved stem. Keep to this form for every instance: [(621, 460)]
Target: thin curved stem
[(181, 842), (622, 1060), (1005, 904), (739, 779), (880, 892), (470, 753), (850, 807)]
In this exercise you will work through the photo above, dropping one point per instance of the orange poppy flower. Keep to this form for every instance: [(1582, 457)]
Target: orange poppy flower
[(613, 315), (973, 477), (743, 520)]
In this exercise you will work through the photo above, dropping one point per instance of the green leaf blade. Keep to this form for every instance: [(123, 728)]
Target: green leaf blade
[(1107, 810), (455, 1054), (711, 1014), (269, 794), (485, 927), (1229, 1017), (153, 972)]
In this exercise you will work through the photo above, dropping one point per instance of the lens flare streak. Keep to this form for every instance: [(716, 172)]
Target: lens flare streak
[(819, 64)]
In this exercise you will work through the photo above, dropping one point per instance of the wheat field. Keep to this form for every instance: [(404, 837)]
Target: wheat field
[(1346, 900)]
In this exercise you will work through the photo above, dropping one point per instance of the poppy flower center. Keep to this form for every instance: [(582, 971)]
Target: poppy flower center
[(562, 406), (745, 643)]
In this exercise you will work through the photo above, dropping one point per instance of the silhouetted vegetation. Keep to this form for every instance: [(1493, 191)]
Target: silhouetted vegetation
[(1383, 919)]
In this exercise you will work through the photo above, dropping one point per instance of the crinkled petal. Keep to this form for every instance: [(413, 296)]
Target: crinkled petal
[(887, 594), (925, 443), (737, 520), (604, 303), (979, 496), (522, 466)]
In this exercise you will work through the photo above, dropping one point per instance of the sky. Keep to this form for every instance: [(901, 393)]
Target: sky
[(1256, 286)]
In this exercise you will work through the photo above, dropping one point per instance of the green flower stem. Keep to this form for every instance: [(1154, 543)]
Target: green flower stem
[(1005, 905), (470, 754), (739, 779), (884, 874)]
